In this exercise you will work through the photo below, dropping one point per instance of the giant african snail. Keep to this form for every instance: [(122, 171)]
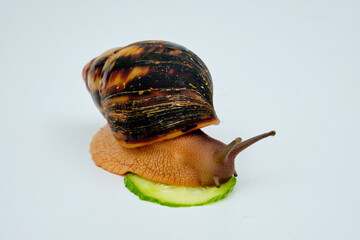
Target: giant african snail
[(155, 96)]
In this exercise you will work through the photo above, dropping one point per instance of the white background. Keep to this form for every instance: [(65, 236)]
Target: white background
[(291, 66)]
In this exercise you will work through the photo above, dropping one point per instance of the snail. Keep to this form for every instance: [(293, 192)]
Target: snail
[(156, 96)]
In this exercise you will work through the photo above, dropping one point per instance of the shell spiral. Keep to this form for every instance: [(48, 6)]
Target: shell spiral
[(151, 91)]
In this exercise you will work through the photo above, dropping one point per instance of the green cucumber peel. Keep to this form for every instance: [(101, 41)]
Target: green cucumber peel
[(176, 196)]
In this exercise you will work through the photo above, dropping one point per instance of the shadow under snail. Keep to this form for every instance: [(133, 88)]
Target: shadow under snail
[(155, 96)]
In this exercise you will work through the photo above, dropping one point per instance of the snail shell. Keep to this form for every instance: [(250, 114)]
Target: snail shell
[(151, 91)]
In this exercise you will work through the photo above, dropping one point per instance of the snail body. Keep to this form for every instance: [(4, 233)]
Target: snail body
[(155, 96), (193, 159)]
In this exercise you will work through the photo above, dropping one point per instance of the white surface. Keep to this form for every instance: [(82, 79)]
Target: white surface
[(292, 66)]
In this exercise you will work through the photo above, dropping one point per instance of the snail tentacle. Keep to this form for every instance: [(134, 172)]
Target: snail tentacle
[(222, 155), (216, 181), (243, 145)]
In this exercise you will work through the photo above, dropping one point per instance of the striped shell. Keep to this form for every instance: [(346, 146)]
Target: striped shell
[(151, 91)]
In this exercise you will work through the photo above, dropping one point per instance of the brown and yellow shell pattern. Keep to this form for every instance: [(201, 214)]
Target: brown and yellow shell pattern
[(151, 91)]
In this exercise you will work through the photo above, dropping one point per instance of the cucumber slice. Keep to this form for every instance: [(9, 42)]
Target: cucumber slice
[(176, 196)]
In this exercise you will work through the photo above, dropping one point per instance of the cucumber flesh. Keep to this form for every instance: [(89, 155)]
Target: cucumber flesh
[(176, 196)]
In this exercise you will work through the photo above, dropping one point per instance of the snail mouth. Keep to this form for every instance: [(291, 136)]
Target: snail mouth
[(224, 173), (219, 181)]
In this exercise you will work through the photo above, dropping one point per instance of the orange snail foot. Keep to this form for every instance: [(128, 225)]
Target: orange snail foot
[(107, 154), (146, 161)]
